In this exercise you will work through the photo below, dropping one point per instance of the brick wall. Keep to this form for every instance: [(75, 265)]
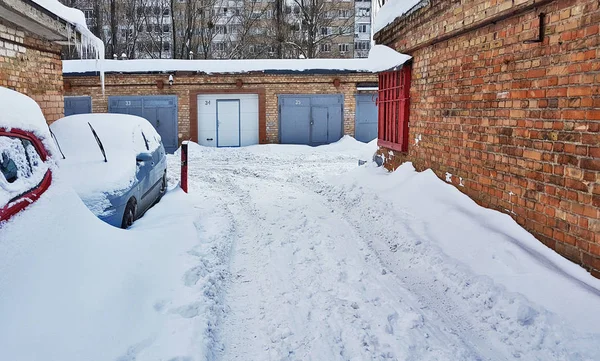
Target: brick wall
[(518, 123), (33, 67), (189, 84)]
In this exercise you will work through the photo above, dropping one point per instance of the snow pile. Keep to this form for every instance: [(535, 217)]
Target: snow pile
[(394, 9), (487, 242), (123, 139), (380, 58), (75, 288)]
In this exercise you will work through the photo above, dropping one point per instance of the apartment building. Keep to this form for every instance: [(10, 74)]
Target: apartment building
[(362, 25), (238, 29)]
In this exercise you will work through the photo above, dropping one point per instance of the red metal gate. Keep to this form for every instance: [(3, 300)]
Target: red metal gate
[(394, 105)]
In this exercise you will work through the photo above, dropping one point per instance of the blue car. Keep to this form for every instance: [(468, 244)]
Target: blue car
[(115, 162)]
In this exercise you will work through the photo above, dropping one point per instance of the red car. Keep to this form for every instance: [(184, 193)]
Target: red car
[(25, 171)]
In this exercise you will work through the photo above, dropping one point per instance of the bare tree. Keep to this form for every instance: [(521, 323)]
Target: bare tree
[(249, 33), (320, 22), (155, 29), (299, 27)]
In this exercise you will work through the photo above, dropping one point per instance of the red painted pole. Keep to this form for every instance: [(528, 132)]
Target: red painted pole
[(184, 166)]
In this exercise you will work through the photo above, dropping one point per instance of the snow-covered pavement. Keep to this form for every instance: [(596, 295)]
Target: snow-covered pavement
[(303, 255)]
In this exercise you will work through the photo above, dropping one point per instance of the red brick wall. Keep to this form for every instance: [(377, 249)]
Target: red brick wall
[(33, 67), (186, 84), (519, 123)]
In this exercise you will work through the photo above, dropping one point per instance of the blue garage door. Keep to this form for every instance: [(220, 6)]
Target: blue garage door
[(160, 111), (78, 105), (310, 119), (366, 117)]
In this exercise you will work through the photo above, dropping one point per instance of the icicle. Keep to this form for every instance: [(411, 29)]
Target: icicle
[(91, 44), (68, 26)]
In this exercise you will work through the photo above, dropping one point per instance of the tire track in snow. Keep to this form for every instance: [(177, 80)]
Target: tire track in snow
[(338, 314)]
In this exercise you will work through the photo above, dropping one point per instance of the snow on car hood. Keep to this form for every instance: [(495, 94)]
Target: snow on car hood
[(84, 165)]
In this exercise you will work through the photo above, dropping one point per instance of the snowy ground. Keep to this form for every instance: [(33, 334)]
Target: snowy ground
[(307, 256), (290, 253)]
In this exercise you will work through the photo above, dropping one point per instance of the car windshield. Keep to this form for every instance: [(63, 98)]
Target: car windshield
[(21, 168)]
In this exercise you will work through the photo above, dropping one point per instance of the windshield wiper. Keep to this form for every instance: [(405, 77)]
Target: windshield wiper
[(98, 141), (145, 141), (57, 144)]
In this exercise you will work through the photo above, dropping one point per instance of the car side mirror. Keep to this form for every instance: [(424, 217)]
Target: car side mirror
[(143, 157)]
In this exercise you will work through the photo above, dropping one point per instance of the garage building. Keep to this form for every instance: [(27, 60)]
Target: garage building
[(233, 103)]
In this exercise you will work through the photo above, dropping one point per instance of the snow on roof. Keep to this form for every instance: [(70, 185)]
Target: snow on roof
[(380, 58), (76, 18), (394, 9)]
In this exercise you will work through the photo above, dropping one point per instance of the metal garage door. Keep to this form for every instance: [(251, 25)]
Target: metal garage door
[(366, 117), (160, 111), (78, 105), (310, 119)]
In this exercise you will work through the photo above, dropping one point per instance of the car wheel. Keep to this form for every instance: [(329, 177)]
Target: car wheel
[(129, 214), (163, 187)]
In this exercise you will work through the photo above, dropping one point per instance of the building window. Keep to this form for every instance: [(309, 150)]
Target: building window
[(219, 46), (364, 12), (221, 29), (394, 103), (345, 30), (326, 48), (343, 47), (362, 45), (89, 14), (325, 31), (363, 28), (344, 14)]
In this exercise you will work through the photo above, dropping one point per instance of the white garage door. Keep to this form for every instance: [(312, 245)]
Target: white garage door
[(227, 120)]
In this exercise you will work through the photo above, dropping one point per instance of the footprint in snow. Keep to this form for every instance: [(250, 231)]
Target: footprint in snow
[(193, 275), (189, 311), (159, 306)]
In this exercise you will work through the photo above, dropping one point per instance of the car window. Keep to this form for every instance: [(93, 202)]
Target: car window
[(21, 167)]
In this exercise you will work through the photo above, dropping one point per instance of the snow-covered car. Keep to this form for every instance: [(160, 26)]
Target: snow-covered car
[(115, 162), (25, 173)]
